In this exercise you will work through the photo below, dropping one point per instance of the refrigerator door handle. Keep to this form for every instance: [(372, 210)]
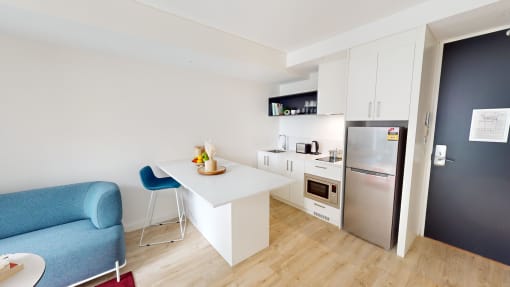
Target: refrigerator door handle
[(379, 174)]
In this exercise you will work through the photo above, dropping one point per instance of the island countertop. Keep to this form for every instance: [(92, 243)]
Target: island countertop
[(239, 181)]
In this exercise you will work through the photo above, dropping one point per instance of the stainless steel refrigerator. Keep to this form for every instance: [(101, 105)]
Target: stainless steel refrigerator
[(373, 177)]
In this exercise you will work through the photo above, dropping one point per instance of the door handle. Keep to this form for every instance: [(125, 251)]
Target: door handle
[(440, 158), (287, 165), (378, 108), (291, 165), (443, 159), (321, 167), (370, 109)]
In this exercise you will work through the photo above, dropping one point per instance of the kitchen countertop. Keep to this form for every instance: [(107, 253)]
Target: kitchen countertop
[(239, 181), (307, 157)]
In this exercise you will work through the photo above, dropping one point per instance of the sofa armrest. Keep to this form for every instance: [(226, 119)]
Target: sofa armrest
[(103, 204)]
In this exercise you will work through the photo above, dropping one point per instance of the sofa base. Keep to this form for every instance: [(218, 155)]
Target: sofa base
[(116, 269)]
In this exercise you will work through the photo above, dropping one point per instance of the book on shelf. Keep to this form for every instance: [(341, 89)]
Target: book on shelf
[(277, 109)]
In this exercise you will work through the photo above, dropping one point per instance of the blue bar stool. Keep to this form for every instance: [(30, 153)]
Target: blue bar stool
[(153, 184)]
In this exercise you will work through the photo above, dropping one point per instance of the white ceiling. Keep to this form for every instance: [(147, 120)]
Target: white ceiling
[(285, 25), (480, 21)]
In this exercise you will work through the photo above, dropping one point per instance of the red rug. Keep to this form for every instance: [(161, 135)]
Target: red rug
[(126, 280)]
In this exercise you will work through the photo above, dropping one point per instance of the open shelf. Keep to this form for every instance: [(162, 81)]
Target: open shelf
[(294, 102)]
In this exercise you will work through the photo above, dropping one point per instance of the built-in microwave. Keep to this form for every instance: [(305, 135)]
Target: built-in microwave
[(322, 189)]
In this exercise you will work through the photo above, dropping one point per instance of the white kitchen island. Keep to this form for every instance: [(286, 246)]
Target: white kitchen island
[(231, 210)]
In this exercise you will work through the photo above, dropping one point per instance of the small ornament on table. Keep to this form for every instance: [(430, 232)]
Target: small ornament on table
[(210, 150)]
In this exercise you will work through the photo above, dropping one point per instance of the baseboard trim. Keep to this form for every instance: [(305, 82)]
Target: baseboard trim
[(132, 226)]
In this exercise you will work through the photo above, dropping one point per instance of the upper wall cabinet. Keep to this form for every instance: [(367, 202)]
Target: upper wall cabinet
[(361, 85), (299, 87), (380, 79), (332, 87)]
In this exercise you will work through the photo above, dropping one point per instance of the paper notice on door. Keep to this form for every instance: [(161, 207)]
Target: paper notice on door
[(490, 125)]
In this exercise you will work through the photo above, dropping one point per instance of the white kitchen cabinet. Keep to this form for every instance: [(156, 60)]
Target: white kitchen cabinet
[(323, 211), (282, 192), (268, 161), (296, 170), (380, 79), (288, 166), (324, 170), (361, 83), (394, 79), (274, 163), (332, 88)]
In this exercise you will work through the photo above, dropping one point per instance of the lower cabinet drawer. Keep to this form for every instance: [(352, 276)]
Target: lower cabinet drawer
[(324, 170), (323, 211)]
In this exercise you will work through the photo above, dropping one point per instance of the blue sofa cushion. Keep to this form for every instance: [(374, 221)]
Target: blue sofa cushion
[(36, 209), (73, 252), (31, 210)]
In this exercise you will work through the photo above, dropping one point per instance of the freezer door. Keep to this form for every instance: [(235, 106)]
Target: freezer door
[(368, 207), (373, 148)]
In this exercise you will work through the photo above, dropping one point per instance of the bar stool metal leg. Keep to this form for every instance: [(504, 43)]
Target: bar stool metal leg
[(148, 217), (181, 219), (181, 212)]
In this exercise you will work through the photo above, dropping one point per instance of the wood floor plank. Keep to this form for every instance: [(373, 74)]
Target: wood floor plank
[(305, 251)]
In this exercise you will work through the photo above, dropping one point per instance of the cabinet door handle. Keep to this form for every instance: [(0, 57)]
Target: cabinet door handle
[(318, 205), (287, 165), (321, 167), (370, 109), (378, 108), (291, 165), (266, 160)]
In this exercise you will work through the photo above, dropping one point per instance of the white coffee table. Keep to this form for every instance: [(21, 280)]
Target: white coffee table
[(33, 269)]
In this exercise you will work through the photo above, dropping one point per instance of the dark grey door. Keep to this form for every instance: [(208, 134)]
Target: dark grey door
[(469, 198)]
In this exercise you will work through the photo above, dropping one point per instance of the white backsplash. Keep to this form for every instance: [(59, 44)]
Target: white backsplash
[(328, 131)]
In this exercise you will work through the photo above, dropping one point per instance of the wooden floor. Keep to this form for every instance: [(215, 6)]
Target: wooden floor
[(305, 251)]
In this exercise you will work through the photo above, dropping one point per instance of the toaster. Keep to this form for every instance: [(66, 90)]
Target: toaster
[(303, 148)]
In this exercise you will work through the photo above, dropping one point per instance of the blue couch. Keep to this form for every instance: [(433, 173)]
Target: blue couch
[(76, 228)]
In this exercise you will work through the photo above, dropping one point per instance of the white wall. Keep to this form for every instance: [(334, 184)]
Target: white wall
[(70, 115), (423, 145), (327, 130), (406, 234), (133, 28), (298, 87), (415, 16)]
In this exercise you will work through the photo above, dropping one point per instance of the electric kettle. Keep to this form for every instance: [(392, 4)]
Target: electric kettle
[(315, 147)]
